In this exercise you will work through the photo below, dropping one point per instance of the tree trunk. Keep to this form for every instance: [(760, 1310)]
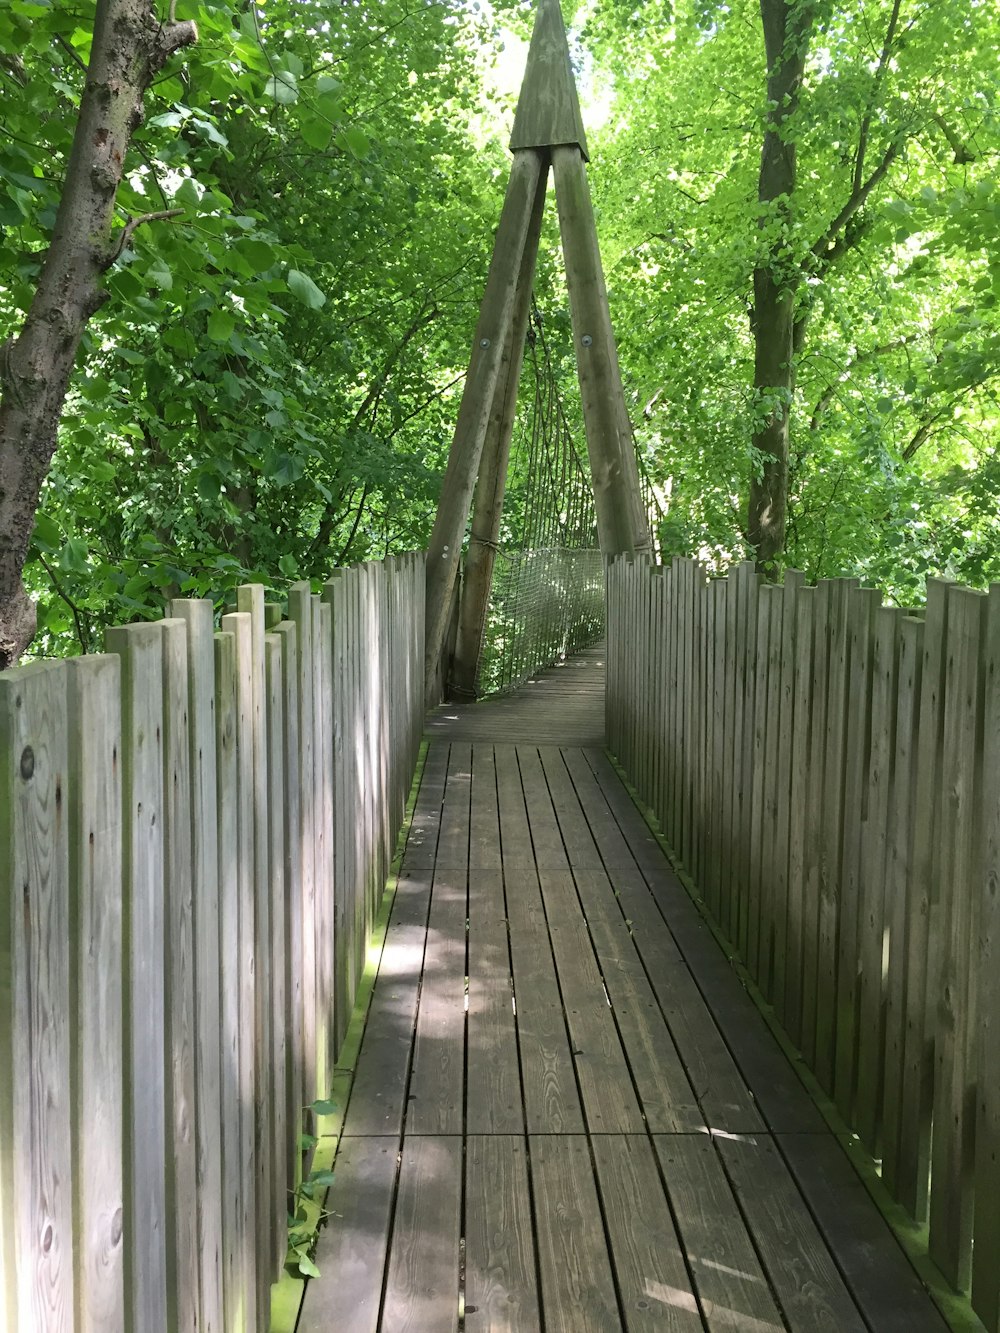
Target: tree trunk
[(130, 47), (776, 279)]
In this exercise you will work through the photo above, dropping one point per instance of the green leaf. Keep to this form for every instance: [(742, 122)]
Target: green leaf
[(160, 276), (317, 134), (220, 325), (306, 1265), (282, 88), (207, 130), (258, 254), (47, 533), (321, 1178), (357, 142), (326, 83), (74, 556), (303, 287), (324, 1106), (188, 193)]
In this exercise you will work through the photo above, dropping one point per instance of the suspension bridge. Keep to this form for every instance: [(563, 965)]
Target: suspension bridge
[(646, 982)]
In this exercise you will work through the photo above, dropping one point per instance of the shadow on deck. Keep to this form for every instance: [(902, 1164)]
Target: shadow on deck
[(567, 1113)]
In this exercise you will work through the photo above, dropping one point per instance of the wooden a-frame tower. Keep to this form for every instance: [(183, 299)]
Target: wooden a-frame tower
[(548, 132)]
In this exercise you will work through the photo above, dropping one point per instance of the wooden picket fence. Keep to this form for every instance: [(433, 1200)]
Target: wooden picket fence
[(828, 771), (195, 830)]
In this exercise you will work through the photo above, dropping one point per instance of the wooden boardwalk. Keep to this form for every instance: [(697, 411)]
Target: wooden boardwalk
[(567, 1114)]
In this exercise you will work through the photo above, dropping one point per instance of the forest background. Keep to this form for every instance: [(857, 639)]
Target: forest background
[(798, 203)]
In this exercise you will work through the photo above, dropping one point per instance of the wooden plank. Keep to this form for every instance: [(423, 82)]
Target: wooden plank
[(956, 916), (730, 794), (799, 814), (546, 836), (493, 1091), (669, 1103), (453, 839), (917, 1096), (501, 1286), (484, 817), (717, 838), (578, 1293), (421, 844), (148, 1300), (437, 1083), (784, 793), (721, 1089), (179, 1002), (240, 625), (733, 1289), (515, 833), (300, 613), (986, 1220), (832, 834), (250, 600), (880, 1277), (95, 895), (609, 1099), (351, 1255), (551, 1099), (601, 820), (873, 925), (814, 826), (573, 823), (36, 1167), (804, 1277), (292, 907), (345, 983), (862, 604), (325, 853), (378, 1095), (771, 871), (227, 767), (422, 1283), (745, 752), (899, 888), (282, 1130), (652, 1277), (753, 887), (198, 616), (322, 847)]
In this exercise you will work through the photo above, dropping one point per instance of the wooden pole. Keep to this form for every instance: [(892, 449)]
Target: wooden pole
[(621, 519), (488, 506), (470, 432)]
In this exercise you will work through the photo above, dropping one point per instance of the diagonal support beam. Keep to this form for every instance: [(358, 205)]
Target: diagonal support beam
[(621, 518), (495, 316), (492, 481)]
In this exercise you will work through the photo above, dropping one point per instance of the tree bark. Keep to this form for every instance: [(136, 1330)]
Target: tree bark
[(776, 279), (130, 46)]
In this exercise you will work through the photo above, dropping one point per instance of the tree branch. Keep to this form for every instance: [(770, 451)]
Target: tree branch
[(81, 632), (826, 249), (164, 215)]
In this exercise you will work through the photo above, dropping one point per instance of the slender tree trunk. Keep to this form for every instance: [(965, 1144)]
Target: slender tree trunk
[(777, 278), (130, 46)]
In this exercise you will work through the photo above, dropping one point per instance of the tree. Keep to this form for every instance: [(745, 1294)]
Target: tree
[(787, 25), (883, 247), (131, 45)]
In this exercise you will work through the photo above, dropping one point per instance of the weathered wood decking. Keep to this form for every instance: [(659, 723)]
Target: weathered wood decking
[(567, 1113)]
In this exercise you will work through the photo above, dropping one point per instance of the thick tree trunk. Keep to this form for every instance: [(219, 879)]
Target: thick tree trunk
[(130, 46), (776, 279)]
